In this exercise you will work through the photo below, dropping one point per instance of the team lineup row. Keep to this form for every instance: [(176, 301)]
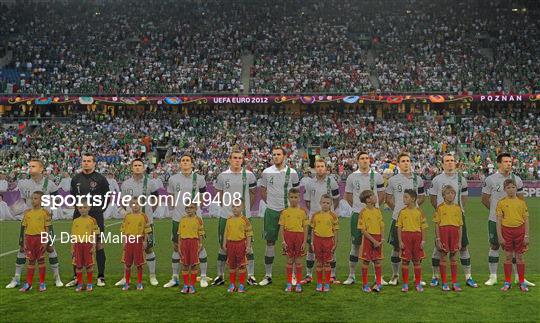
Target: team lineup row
[(275, 187)]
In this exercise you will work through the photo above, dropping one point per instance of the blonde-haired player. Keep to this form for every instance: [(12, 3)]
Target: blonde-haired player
[(513, 233), (325, 226), (448, 230)]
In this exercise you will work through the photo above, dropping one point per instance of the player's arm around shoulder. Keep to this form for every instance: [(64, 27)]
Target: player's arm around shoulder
[(349, 190), (201, 232), (399, 228), (421, 191), (147, 228), (226, 233), (433, 200), (381, 221), (423, 226), (24, 221), (295, 179), (526, 219), (305, 225), (437, 220), (200, 223), (281, 223), (486, 192), (432, 191), (248, 232), (248, 228), (499, 211), (313, 225), (335, 229), (361, 224), (380, 188), (124, 222), (95, 226), (459, 214), (423, 218), (48, 219), (389, 193)]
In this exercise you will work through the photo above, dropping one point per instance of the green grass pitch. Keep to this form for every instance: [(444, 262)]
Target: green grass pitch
[(342, 303)]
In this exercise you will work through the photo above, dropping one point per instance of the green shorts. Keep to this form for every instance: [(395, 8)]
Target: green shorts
[(492, 231), (464, 236), (221, 230), (151, 243), (393, 238), (271, 225), (356, 234), (174, 233)]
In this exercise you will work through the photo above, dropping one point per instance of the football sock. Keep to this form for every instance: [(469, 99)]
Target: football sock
[(442, 268), (289, 273), (41, 269), (221, 260), (507, 272), (378, 274), (19, 263), (53, 262), (269, 260), (185, 277), (203, 262), (79, 277), (395, 263), (193, 277), (127, 275), (151, 261), (353, 259), (310, 263), (89, 274), (364, 274), (493, 260), (453, 271), (435, 262), (521, 272), (417, 274), (30, 274), (405, 273), (175, 263), (139, 274), (465, 259), (251, 264), (298, 273), (100, 259), (242, 276)]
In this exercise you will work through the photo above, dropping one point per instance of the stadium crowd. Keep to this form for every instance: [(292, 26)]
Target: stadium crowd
[(436, 52), (210, 134), (131, 47)]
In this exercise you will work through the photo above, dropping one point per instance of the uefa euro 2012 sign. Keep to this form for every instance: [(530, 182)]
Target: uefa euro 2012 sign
[(22, 99)]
